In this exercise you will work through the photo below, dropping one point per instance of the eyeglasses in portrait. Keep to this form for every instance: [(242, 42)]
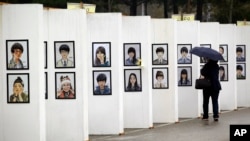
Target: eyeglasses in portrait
[(18, 88), (240, 53), (65, 85), (223, 50), (17, 53), (160, 54), (101, 54), (183, 54), (160, 78), (132, 80), (64, 54), (102, 82), (184, 76), (132, 54)]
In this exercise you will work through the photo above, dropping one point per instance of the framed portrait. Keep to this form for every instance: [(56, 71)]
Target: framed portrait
[(101, 54), (184, 76), (132, 54), (102, 82), (183, 54), (64, 54), (223, 50), (65, 85), (202, 59), (159, 54), (46, 84), (160, 78), (18, 88), (17, 54), (223, 72), (132, 80), (240, 53), (45, 53), (241, 70)]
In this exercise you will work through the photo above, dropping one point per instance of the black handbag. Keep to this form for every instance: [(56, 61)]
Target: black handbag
[(202, 83)]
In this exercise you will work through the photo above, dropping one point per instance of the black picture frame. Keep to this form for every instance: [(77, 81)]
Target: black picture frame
[(68, 80), (184, 48), (45, 54), (46, 84), (240, 53), (241, 69), (202, 59), (104, 48), (223, 72), (132, 48), (185, 70), (223, 50), (132, 74), (67, 47), (21, 47), (102, 78), (18, 82), (160, 54), (160, 78)]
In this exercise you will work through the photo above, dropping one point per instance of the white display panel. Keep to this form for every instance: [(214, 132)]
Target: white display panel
[(105, 110), (67, 117), (165, 106), (27, 113), (188, 98)]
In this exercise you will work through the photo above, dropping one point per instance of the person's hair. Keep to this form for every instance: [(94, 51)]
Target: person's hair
[(101, 77), (16, 46), (18, 80), (159, 49), (64, 47), (184, 71), (239, 67), (159, 73), (222, 48), (129, 83), (64, 79), (131, 49), (102, 50), (223, 75), (238, 49), (184, 49)]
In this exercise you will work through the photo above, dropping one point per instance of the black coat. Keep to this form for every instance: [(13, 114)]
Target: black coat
[(211, 71)]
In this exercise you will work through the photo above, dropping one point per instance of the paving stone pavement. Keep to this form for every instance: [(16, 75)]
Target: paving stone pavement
[(186, 130)]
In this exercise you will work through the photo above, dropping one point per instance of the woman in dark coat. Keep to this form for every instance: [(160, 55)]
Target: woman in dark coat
[(211, 71)]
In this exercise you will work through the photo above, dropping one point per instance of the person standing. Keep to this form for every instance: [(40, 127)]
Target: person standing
[(211, 71)]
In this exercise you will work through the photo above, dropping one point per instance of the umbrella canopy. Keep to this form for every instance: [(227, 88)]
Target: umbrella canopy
[(207, 52)]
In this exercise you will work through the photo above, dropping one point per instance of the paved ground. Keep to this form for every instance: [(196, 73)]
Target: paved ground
[(186, 130)]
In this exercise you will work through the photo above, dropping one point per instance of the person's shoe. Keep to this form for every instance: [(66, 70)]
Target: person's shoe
[(205, 119), (216, 119)]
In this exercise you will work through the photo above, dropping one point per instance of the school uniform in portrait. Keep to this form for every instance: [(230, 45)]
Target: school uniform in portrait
[(12, 64), (184, 82), (160, 61), (240, 58), (105, 91), (160, 85), (64, 63), (184, 60), (131, 62)]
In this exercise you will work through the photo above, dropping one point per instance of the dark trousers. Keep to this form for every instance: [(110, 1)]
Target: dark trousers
[(214, 94)]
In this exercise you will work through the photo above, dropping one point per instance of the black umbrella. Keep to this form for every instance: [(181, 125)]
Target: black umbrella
[(207, 53)]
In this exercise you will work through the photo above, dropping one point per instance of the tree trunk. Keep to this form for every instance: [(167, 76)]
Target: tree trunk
[(175, 7), (165, 8), (133, 7), (199, 10)]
